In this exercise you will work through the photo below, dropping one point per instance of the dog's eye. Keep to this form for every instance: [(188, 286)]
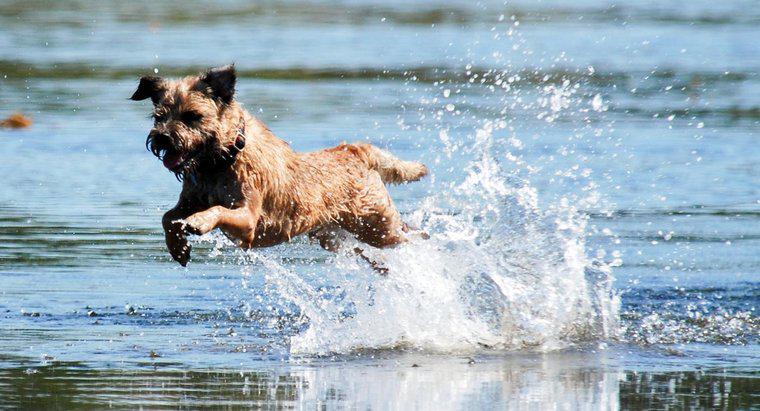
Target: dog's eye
[(189, 117)]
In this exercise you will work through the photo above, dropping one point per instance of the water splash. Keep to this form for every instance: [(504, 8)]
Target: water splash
[(499, 271), (503, 268)]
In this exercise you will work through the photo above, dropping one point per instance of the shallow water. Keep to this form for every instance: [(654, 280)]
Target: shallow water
[(594, 208)]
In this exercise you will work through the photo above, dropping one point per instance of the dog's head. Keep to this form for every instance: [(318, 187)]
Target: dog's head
[(192, 118)]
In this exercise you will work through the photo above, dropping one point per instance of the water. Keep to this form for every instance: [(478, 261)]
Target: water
[(593, 208)]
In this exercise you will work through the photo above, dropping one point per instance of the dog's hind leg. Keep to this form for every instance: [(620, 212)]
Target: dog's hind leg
[(378, 267), (330, 237), (381, 229)]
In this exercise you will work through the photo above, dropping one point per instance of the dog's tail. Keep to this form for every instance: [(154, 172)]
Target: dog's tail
[(391, 168)]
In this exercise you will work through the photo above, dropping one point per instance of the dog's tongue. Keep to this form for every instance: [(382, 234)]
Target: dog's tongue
[(172, 160)]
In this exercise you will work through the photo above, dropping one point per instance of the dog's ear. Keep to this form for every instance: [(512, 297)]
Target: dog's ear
[(150, 86), (221, 82)]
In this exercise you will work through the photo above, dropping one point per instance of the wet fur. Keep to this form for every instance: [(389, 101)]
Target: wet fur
[(270, 193)]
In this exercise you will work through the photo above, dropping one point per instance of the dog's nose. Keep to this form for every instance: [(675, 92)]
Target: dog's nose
[(161, 138)]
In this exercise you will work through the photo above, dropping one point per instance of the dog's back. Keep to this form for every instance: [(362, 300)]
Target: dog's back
[(344, 187)]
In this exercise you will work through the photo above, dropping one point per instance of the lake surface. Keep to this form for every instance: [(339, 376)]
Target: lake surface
[(594, 207)]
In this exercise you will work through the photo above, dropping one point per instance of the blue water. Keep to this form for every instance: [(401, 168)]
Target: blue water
[(632, 126)]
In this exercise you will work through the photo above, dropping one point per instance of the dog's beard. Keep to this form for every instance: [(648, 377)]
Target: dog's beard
[(209, 157), (176, 159)]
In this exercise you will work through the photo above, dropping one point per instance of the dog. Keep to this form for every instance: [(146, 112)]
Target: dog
[(239, 177)]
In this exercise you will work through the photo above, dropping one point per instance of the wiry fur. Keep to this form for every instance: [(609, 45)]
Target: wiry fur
[(269, 193)]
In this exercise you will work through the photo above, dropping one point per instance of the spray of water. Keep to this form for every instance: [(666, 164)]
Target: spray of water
[(501, 270)]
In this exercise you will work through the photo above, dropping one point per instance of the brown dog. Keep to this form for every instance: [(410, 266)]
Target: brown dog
[(239, 177)]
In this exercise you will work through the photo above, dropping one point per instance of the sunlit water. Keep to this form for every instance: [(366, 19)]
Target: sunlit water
[(594, 208)]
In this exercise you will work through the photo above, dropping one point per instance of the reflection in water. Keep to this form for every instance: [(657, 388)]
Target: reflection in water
[(561, 380), (508, 382)]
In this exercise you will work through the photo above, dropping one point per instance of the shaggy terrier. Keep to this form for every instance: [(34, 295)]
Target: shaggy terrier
[(239, 177)]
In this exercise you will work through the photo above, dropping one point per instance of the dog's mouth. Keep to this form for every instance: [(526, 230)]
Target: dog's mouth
[(173, 160), (176, 160)]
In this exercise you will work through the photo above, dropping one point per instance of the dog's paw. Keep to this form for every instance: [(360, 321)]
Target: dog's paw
[(178, 247), (181, 255), (196, 225), (176, 242)]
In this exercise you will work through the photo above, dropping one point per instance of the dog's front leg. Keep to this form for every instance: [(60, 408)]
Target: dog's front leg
[(238, 223), (174, 232)]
